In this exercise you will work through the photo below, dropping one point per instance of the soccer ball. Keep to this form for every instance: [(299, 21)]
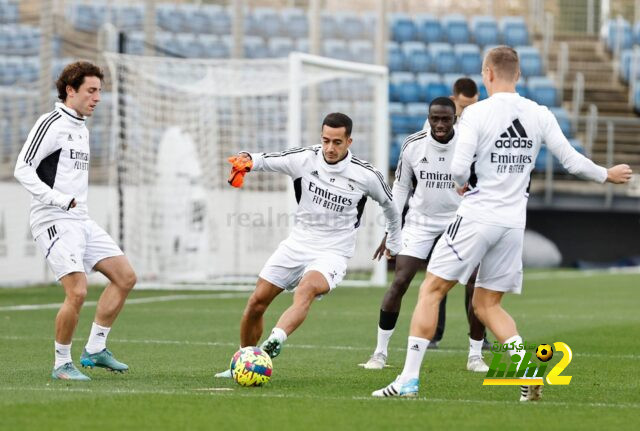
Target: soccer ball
[(544, 352), (251, 366)]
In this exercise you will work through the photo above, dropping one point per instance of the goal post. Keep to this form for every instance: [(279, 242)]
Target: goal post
[(183, 226)]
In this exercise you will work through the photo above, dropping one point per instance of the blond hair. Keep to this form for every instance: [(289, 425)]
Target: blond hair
[(504, 62)]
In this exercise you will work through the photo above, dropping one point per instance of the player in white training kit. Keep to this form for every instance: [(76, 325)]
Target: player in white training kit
[(54, 167), (331, 187), (424, 169), (499, 139)]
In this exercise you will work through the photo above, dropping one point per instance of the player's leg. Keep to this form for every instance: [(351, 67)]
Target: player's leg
[(75, 290), (251, 325), (122, 279), (406, 269), (442, 318), (475, 362)]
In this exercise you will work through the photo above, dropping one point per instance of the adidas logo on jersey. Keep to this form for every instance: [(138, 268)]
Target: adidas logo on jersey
[(315, 173), (424, 160), (514, 137)]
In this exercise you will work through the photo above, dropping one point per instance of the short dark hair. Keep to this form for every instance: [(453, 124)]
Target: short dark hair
[(337, 120), (443, 101), (73, 74), (465, 86)]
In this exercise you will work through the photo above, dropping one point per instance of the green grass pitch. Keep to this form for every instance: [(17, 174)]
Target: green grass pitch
[(175, 341)]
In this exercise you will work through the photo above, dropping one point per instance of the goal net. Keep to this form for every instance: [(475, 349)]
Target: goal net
[(176, 121)]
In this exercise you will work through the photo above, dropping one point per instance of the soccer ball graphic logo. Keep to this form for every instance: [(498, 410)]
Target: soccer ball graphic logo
[(544, 352), (250, 366)]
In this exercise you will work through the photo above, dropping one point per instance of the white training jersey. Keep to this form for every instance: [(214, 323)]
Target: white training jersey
[(331, 197), (499, 140), (426, 163), (54, 167)]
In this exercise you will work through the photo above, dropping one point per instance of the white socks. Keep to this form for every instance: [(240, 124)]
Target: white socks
[(416, 347), (63, 354), (97, 338), (384, 335), (475, 347), (517, 340), (278, 334)]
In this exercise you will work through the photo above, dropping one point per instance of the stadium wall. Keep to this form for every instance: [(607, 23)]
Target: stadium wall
[(590, 236)]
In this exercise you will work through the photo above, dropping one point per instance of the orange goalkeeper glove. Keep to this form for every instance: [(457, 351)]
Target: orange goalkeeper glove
[(239, 167)]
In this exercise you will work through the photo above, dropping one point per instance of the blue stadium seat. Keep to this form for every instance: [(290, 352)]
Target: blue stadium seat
[(336, 48), (563, 120), (294, 23), (280, 46), (395, 57), (9, 12), (171, 17), (403, 88), (351, 26), (612, 29), (302, 45), (431, 86), (521, 87), (429, 28), (417, 114), (329, 25), (135, 43), (394, 151), (189, 45), (417, 58), (398, 117), (267, 22), (129, 18), (485, 30), (370, 20), (514, 31), (530, 61), (468, 58), (403, 29), (254, 47), (220, 21), (88, 17), (362, 51), (456, 28), (448, 79), (443, 58), (215, 46), (542, 91)]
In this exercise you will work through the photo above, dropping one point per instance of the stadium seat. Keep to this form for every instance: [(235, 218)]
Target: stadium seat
[(417, 114), (171, 18), (417, 58), (280, 47), (443, 58), (134, 43), (563, 120), (336, 48), (396, 148), (350, 25), (485, 30), (431, 86), (302, 45), (189, 45), (542, 91), (9, 12), (398, 117), (362, 51), (129, 18), (403, 29), (429, 29), (267, 22), (455, 28), (530, 61), (395, 57), (329, 25), (370, 21), (612, 30), (254, 47), (448, 79), (403, 88), (521, 87), (88, 17), (469, 59), (514, 31), (220, 21), (215, 46), (294, 23)]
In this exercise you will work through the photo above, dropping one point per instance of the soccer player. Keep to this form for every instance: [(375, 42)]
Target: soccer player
[(465, 93), (331, 187), (424, 173), (499, 139), (54, 167)]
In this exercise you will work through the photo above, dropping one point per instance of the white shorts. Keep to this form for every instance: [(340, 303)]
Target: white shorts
[(466, 243), (291, 260), (417, 242), (75, 246)]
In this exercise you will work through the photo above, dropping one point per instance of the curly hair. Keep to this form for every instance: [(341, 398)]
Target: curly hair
[(74, 74)]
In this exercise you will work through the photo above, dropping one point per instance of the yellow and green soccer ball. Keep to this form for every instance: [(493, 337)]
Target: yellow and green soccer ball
[(544, 352), (251, 366)]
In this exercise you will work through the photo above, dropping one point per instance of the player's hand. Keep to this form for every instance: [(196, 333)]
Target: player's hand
[(382, 249), (462, 190), (619, 174), (240, 165)]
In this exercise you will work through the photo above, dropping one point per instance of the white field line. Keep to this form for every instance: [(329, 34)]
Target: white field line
[(545, 275), (217, 392), (299, 346), (147, 300)]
